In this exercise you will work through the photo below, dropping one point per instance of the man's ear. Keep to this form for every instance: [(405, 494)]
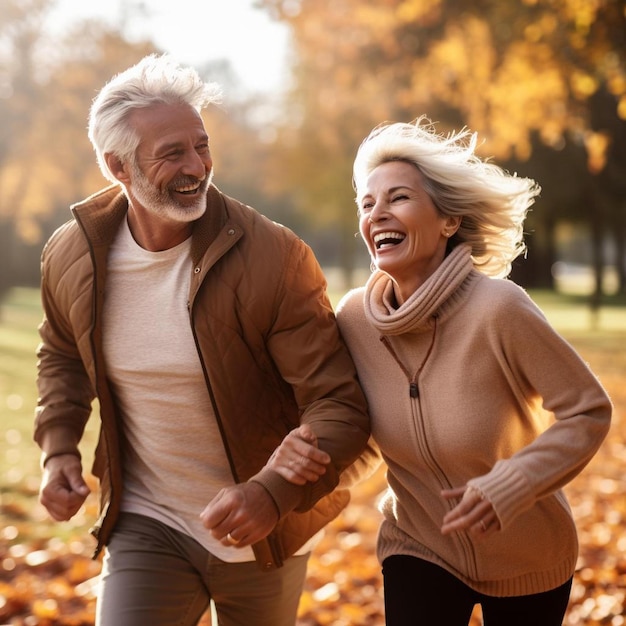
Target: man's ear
[(118, 168)]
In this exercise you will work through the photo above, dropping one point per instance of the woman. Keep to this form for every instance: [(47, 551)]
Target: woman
[(481, 411)]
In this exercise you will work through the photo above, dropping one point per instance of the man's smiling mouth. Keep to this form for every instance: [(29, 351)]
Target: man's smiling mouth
[(188, 189), (188, 186)]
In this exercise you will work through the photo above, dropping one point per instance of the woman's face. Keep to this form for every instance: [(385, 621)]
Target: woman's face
[(405, 234)]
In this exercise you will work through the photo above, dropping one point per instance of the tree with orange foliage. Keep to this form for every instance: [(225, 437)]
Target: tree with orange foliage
[(534, 76)]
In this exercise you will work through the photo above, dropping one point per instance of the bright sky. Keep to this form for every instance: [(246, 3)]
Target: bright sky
[(196, 31)]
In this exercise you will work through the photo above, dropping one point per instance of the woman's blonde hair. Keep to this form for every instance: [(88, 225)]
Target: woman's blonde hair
[(492, 203)]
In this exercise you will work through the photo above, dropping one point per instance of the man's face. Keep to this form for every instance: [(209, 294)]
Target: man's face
[(172, 168)]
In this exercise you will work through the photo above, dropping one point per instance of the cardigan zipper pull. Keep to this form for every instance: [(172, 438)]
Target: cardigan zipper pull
[(413, 391)]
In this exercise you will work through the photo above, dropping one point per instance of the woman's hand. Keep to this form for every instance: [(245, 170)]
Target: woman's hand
[(473, 513), (298, 459)]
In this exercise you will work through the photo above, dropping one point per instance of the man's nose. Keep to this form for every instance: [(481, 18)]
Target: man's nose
[(196, 165)]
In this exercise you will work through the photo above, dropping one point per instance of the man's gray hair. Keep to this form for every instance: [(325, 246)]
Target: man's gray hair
[(156, 79)]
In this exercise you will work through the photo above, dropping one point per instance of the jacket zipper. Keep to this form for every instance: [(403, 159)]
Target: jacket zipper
[(413, 385), (415, 394), (271, 543)]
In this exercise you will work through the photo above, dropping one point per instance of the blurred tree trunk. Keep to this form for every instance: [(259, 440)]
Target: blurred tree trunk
[(534, 271), (608, 161), (619, 236), (7, 234), (597, 231)]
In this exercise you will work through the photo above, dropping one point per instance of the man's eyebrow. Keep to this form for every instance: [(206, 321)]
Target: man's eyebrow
[(177, 144), (169, 146)]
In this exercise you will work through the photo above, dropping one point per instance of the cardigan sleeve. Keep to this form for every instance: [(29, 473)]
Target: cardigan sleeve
[(549, 373)]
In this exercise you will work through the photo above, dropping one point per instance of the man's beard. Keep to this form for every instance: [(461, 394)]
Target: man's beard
[(162, 203)]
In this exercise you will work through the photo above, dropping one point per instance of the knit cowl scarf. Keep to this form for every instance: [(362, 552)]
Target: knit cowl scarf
[(416, 314)]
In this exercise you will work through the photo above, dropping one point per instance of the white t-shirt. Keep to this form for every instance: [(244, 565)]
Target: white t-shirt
[(176, 462)]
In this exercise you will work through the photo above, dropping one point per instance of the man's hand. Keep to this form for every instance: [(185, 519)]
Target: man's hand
[(63, 489), (298, 459), (241, 515)]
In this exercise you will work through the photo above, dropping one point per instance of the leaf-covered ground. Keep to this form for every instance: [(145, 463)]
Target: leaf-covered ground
[(47, 576)]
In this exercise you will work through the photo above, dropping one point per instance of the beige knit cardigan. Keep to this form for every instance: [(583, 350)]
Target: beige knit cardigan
[(467, 383)]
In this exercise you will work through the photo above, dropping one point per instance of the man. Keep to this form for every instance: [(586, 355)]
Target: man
[(205, 332)]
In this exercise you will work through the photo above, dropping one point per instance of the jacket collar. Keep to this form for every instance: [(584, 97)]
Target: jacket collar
[(100, 216)]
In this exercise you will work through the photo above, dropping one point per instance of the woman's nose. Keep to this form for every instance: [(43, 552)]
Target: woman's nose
[(377, 213)]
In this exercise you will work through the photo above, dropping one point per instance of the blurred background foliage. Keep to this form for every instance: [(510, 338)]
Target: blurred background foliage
[(543, 82)]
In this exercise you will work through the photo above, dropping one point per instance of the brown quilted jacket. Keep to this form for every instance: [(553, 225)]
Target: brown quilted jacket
[(267, 339)]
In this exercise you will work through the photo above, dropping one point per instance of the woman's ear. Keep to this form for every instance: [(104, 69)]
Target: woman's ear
[(451, 225), (117, 167)]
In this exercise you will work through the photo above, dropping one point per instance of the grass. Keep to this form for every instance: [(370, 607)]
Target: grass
[(19, 317), (20, 473)]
